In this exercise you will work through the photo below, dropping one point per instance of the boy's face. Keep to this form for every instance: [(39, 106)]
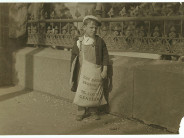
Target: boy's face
[(90, 29)]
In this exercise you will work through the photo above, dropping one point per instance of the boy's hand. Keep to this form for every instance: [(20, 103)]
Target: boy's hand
[(104, 74)]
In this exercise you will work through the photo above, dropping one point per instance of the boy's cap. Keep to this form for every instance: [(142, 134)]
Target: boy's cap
[(92, 17)]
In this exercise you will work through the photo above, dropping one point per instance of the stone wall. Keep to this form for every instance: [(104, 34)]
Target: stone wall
[(158, 93), (146, 89)]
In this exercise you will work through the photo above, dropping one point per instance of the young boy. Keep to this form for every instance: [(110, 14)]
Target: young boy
[(90, 68)]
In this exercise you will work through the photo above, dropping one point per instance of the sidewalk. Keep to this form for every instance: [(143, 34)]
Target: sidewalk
[(26, 112)]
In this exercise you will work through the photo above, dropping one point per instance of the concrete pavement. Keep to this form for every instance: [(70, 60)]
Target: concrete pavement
[(27, 112)]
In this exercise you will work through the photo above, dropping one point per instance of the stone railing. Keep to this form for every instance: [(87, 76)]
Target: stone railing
[(154, 34)]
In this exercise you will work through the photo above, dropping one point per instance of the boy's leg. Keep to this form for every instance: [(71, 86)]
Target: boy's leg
[(80, 113)]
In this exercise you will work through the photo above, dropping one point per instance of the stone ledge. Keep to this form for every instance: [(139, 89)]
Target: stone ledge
[(136, 55)]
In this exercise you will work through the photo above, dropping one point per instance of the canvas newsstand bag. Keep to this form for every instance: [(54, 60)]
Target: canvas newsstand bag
[(90, 88)]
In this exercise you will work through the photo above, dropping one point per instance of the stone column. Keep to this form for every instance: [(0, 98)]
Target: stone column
[(4, 79)]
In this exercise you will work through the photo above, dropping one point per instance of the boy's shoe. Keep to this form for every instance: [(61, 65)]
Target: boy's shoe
[(95, 116), (79, 117)]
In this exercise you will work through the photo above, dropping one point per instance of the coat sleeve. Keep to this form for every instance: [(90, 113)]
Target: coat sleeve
[(74, 52), (105, 54)]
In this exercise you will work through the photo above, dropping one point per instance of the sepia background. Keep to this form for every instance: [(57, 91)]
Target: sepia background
[(146, 47)]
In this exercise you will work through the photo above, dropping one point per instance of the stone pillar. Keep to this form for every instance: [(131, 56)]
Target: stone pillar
[(4, 15)]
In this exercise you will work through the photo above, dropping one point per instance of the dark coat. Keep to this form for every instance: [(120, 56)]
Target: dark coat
[(102, 58)]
